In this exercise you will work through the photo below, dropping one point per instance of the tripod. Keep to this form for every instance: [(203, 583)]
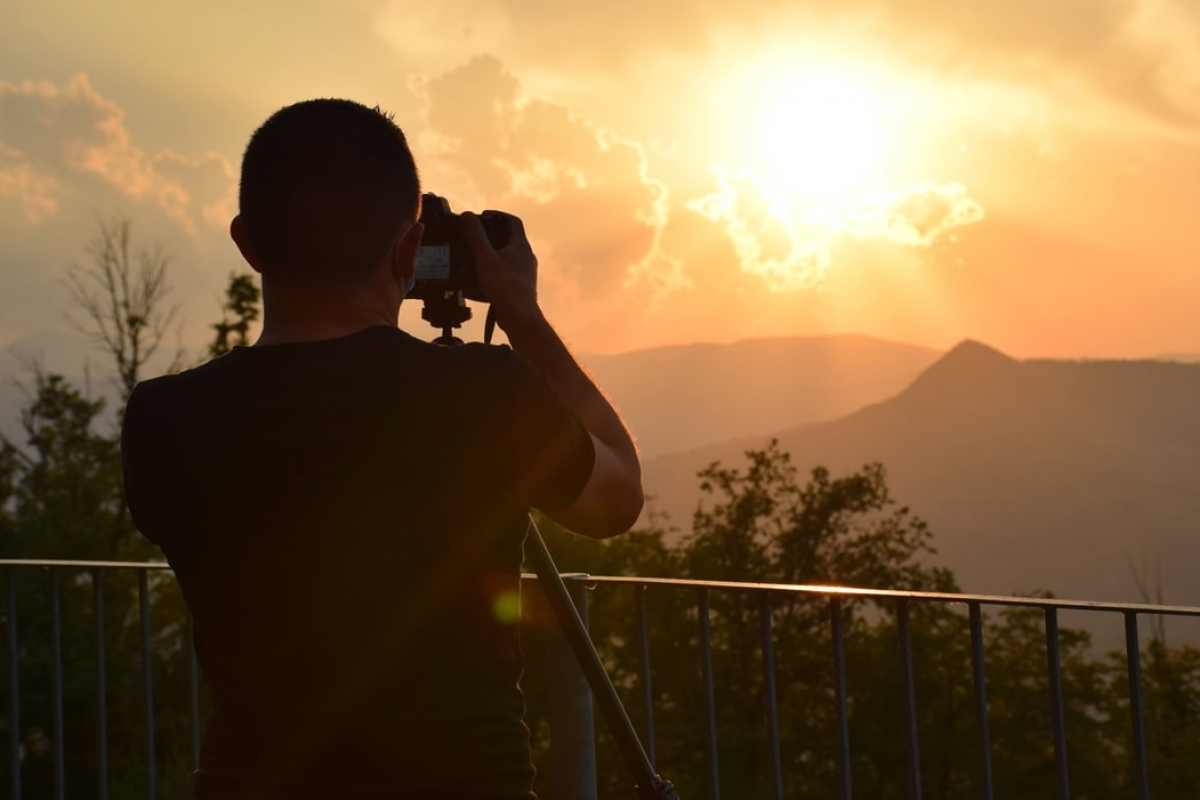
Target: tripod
[(448, 313), (649, 785)]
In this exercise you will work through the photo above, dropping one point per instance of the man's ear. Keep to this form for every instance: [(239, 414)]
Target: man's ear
[(404, 255), (237, 231)]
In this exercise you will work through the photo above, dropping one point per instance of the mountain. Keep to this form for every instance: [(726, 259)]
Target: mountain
[(673, 398), (1059, 475), (679, 398)]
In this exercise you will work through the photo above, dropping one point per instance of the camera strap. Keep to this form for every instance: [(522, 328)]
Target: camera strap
[(489, 325)]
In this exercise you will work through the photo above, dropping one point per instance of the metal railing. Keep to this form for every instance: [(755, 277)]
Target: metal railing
[(34, 593)]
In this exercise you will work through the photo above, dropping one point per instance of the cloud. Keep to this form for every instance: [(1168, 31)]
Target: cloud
[(1136, 54), (585, 192), (1140, 55), (791, 249), (32, 192), (918, 216), (764, 237), (52, 137)]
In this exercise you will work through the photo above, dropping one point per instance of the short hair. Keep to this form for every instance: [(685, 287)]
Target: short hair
[(325, 186)]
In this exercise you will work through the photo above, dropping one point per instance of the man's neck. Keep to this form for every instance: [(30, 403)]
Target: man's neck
[(314, 315)]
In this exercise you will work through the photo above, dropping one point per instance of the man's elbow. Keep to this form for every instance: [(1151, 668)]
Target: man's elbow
[(604, 511), (624, 512)]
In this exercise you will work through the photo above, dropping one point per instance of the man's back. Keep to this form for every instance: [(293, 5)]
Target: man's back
[(345, 518)]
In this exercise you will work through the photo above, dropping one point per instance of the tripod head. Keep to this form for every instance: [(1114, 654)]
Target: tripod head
[(447, 311)]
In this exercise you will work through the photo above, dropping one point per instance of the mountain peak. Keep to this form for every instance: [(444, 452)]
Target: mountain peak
[(968, 364), (969, 351)]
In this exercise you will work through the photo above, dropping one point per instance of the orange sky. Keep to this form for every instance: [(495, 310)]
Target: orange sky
[(1026, 172)]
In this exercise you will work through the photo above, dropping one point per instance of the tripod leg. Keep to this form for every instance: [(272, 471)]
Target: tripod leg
[(649, 785)]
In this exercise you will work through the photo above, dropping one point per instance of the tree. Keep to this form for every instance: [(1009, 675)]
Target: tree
[(759, 524), (122, 299), (64, 485), (241, 309)]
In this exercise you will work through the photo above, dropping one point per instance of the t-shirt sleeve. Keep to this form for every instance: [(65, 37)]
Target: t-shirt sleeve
[(552, 453), (136, 436)]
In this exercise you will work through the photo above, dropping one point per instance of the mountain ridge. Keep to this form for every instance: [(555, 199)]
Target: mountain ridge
[(678, 397), (1034, 474)]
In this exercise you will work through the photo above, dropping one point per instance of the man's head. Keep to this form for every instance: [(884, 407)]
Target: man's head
[(327, 185)]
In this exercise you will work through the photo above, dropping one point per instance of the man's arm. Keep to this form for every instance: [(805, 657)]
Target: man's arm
[(612, 498)]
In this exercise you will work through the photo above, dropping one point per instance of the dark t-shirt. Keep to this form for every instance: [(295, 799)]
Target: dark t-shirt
[(345, 518)]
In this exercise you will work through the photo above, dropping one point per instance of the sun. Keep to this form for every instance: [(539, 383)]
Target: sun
[(821, 135), (819, 129)]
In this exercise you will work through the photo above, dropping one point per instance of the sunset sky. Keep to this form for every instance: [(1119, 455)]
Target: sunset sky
[(1021, 172)]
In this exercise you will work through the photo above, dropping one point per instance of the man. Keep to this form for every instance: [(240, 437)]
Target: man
[(344, 505)]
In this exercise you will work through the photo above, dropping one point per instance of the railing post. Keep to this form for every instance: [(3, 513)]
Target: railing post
[(979, 671), (14, 691), (903, 622), (101, 687), (842, 716), (647, 688), (56, 636), (710, 702), (148, 680), (1137, 714), (572, 721), (1057, 705), (770, 698)]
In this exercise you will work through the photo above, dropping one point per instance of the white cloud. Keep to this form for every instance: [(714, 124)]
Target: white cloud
[(584, 190), (31, 192), (791, 249), (54, 136), (767, 242), (918, 216)]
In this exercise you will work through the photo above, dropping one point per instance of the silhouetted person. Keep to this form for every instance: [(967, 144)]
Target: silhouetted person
[(344, 505)]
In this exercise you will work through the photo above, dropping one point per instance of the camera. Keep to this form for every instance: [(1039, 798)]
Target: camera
[(445, 264)]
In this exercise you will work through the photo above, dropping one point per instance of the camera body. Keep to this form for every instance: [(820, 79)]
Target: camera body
[(445, 263)]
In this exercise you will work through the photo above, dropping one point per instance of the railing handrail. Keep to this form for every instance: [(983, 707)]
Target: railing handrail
[(580, 700), (82, 564), (824, 590), (1027, 601)]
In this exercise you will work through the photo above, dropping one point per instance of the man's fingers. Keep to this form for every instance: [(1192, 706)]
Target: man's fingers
[(474, 233)]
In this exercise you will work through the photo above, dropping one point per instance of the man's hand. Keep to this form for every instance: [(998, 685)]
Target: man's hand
[(508, 276), (612, 499)]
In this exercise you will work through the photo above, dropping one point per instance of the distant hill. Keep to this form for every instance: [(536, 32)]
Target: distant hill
[(1032, 474), (679, 398)]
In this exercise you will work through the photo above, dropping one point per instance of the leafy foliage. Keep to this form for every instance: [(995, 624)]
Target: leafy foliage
[(241, 309), (758, 523)]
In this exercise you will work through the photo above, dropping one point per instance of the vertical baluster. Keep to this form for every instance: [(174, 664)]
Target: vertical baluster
[(572, 721), (14, 694), (60, 789), (101, 686), (769, 695), (647, 690), (710, 703), (839, 694), (194, 688), (910, 699), (148, 675), (981, 702), (1136, 709), (1054, 665)]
